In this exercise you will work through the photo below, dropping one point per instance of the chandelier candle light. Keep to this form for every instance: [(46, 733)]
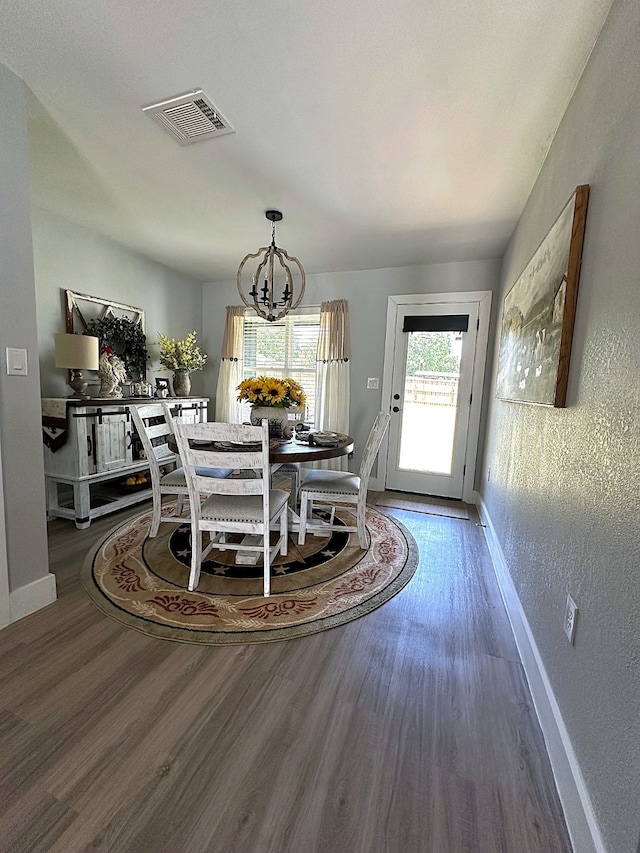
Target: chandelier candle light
[(265, 300)]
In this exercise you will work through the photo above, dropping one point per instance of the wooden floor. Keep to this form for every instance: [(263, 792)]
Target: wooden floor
[(411, 729)]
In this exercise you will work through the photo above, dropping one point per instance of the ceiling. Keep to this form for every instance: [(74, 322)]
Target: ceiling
[(389, 134)]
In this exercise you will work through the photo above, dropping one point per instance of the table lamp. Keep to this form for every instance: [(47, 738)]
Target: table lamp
[(77, 353)]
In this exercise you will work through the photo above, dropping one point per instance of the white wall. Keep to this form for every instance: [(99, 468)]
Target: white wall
[(31, 312), (367, 292), (69, 257), (564, 489), (20, 433)]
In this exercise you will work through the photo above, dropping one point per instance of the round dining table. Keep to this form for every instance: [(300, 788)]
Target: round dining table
[(282, 453), (286, 452), (306, 451)]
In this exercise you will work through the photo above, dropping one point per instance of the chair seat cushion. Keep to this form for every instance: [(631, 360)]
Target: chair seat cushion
[(176, 478), (331, 482), (242, 507)]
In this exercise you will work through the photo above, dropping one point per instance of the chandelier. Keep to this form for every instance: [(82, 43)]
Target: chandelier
[(273, 293)]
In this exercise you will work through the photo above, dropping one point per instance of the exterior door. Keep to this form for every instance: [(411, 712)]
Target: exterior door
[(432, 376)]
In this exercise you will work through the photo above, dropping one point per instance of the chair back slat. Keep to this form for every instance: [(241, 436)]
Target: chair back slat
[(202, 458), (214, 431), (197, 457), (158, 430), (373, 445), (150, 410), (163, 453), (155, 452), (230, 486)]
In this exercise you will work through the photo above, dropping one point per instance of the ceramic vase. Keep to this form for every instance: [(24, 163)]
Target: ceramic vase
[(182, 383), (281, 425)]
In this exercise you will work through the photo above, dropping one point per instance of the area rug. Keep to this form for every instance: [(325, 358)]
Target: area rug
[(141, 582), (424, 504)]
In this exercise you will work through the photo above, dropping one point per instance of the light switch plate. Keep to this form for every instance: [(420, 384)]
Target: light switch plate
[(16, 362), (373, 383)]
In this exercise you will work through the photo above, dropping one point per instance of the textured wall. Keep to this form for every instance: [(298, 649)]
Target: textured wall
[(22, 465), (564, 485)]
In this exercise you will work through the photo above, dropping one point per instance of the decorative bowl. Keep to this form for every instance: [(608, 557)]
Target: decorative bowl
[(138, 485)]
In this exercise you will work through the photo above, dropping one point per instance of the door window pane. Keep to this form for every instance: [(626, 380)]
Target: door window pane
[(430, 401)]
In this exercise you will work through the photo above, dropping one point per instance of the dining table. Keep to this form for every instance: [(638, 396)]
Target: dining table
[(283, 452), (296, 450), (292, 450)]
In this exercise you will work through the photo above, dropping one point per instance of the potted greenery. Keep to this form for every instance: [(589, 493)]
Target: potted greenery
[(126, 340)]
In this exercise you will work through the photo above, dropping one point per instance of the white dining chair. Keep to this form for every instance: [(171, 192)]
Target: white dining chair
[(246, 505), (154, 426), (291, 470), (343, 488)]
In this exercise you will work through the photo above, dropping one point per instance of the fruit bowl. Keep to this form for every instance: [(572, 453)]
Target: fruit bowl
[(137, 483)]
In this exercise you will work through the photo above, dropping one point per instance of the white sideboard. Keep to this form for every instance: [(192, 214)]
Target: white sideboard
[(86, 476)]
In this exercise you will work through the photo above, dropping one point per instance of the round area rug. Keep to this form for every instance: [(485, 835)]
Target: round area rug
[(330, 580)]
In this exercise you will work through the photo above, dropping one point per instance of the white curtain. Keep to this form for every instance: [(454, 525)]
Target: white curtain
[(231, 367), (333, 374)]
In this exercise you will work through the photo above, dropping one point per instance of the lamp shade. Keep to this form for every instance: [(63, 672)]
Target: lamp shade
[(79, 352)]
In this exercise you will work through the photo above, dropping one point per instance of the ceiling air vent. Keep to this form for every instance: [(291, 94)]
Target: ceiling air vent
[(189, 118)]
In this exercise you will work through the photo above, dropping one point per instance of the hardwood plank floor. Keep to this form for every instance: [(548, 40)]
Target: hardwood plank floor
[(410, 730)]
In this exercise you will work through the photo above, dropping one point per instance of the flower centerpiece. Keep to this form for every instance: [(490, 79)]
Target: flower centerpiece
[(280, 401), (182, 357)]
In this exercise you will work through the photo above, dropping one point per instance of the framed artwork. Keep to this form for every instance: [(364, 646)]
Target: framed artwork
[(162, 387), (539, 313)]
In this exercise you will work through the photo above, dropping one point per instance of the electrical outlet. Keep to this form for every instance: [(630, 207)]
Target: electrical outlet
[(570, 618)]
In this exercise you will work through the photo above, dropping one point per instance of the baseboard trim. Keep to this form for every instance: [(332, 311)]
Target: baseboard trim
[(31, 597), (576, 803)]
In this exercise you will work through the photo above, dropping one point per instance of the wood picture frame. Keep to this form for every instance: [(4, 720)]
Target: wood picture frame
[(81, 307), (539, 313), (82, 310)]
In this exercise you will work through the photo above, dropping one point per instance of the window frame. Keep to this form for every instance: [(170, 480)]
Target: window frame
[(289, 323)]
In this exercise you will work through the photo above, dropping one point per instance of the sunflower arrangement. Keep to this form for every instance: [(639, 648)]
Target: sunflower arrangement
[(270, 391)]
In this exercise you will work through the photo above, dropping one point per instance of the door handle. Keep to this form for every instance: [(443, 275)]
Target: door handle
[(396, 396), (395, 409)]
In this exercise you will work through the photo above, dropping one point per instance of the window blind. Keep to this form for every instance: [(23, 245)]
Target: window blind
[(283, 349), (437, 323)]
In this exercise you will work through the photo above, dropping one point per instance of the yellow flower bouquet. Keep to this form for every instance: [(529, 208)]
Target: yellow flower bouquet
[(181, 355), (270, 391)]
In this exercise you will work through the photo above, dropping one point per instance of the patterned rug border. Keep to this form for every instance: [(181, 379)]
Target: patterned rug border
[(219, 638)]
